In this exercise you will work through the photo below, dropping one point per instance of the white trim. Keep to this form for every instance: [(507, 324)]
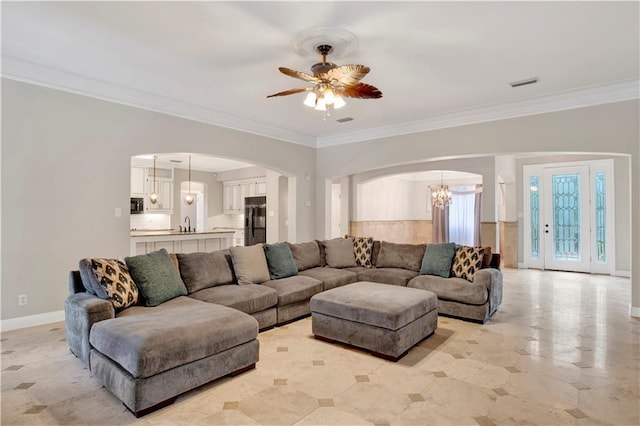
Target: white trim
[(622, 274), (569, 99), (31, 320), (634, 311), (522, 265), (30, 72), (34, 73)]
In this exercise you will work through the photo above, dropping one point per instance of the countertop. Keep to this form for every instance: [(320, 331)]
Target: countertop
[(173, 232)]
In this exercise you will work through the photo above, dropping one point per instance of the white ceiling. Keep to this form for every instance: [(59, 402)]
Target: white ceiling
[(201, 162), (437, 63)]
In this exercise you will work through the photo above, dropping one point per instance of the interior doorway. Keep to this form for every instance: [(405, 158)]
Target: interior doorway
[(568, 216)]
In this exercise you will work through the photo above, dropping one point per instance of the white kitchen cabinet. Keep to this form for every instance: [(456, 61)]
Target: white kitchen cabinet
[(256, 187), (234, 193), (138, 179), (164, 188), (231, 198), (238, 238)]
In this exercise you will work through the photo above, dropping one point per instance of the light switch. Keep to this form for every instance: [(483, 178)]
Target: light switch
[(118, 212), (271, 213)]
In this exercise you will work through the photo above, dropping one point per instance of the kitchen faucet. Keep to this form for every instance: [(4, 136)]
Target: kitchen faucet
[(187, 218)]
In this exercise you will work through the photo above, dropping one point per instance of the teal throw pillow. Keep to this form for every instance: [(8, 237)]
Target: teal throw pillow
[(156, 277), (437, 260), (280, 261)]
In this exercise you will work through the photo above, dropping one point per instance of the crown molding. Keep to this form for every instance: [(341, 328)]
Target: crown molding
[(569, 99), (31, 72)]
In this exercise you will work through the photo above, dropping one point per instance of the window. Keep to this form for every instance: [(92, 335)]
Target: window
[(534, 205), (462, 214), (601, 223)]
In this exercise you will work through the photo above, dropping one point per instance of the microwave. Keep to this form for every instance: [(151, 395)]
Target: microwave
[(137, 205)]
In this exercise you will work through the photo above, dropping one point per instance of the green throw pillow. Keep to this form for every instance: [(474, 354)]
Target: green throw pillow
[(280, 261), (437, 259), (156, 277)]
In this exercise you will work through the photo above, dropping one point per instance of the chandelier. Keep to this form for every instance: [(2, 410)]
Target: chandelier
[(441, 197)]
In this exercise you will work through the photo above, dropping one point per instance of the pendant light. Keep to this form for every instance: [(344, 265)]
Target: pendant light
[(441, 197), (153, 197), (189, 197)]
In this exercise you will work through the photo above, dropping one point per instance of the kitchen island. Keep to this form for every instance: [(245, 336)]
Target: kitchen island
[(174, 241)]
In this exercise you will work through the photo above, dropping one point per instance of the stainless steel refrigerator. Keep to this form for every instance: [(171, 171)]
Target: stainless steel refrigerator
[(255, 220)]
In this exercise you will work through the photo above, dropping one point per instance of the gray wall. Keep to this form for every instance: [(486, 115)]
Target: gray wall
[(484, 166), (65, 168), (244, 173), (604, 129), (66, 165)]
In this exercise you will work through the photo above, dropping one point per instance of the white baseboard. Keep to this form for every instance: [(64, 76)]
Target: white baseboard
[(634, 311), (31, 320), (522, 266), (623, 274)]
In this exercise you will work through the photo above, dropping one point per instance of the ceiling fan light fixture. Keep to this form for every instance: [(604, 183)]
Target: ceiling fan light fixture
[(338, 102), (310, 100), (329, 97), (331, 82)]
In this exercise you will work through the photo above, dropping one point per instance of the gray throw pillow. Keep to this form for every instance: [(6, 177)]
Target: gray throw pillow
[(306, 255), (339, 253), (438, 259), (404, 256), (280, 261), (250, 264), (156, 277), (203, 270)]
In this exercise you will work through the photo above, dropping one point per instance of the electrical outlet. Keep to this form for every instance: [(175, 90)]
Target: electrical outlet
[(22, 300)]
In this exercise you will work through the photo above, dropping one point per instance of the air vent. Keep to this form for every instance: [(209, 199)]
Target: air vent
[(344, 120), (531, 80)]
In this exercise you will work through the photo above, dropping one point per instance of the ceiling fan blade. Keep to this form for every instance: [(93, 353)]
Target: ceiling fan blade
[(347, 74), (290, 92), (298, 74), (361, 90)]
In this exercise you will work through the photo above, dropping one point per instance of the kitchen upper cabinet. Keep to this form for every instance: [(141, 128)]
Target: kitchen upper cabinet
[(261, 187), (164, 188), (234, 193), (256, 187), (138, 179)]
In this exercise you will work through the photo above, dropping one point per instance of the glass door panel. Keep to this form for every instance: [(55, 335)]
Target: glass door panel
[(566, 219)]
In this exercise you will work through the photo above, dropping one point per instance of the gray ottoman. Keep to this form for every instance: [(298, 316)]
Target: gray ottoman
[(386, 319)]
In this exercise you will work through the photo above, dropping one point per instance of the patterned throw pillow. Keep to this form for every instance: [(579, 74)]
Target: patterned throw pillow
[(363, 249), (113, 277), (467, 261)]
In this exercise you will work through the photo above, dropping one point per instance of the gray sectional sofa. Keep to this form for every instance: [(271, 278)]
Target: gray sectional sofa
[(148, 355)]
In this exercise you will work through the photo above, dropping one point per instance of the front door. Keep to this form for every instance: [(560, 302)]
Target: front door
[(566, 219)]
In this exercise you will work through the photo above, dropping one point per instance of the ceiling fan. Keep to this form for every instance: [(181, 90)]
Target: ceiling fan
[(332, 83)]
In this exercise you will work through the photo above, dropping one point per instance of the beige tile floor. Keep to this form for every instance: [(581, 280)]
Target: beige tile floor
[(561, 350)]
